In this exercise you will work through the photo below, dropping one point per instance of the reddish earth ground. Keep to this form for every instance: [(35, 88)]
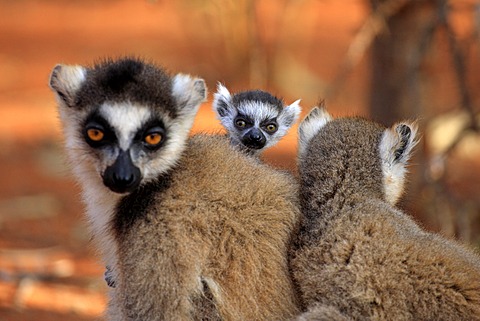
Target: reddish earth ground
[(48, 270)]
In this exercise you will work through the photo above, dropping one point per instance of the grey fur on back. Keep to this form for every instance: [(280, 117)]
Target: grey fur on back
[(356, 255)]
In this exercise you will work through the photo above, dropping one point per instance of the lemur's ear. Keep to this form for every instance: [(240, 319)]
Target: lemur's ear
[(222, 102), (188, 92), (290, 114), (398, 141), (311, 125), (396, 148), (65, 81)]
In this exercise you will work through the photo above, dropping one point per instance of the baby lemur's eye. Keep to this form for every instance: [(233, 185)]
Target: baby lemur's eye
[(95, 134), (240, 123), (271, 128)]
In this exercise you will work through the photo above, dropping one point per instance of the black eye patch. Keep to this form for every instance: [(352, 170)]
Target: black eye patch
[(269, 121), (248, 120), (98, 123), (154, 126)]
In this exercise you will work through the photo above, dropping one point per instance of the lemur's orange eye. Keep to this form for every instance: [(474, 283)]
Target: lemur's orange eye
[(95, 134), (271, 127), (240, 123), (153, 138)]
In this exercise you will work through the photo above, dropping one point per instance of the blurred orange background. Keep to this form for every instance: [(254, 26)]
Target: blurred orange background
[(295, 49)]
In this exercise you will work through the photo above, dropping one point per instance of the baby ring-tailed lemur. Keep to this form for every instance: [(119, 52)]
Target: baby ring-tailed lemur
[(184, 238), (254, 119), (356, 256)]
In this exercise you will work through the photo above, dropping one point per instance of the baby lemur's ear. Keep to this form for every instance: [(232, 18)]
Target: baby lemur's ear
[(65, 81), (188, 92), (222, 102), (396, 148), (290, 114), (311, 125)]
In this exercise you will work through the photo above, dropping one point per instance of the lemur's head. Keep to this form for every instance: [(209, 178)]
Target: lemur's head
[(356, 152), (254, 119), (126, 121)]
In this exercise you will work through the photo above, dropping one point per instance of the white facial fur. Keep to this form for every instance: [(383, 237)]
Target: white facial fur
[(310, 126), (126, 118), (394, 168)]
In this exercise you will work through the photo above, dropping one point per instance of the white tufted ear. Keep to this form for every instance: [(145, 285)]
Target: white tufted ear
[(222, 103), (311, 125), (189, 92), (290, 114), (396, 148), (65, 81)]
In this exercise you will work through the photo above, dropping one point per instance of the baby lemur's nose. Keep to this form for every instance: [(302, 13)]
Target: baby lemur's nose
[(256, 136), (254, 139)]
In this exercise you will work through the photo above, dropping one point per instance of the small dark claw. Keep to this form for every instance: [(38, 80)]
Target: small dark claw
[(109, 277)]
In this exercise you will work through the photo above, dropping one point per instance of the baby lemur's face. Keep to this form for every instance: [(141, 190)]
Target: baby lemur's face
[(359, 148), (125, 122), (254, 119), (252, 128)]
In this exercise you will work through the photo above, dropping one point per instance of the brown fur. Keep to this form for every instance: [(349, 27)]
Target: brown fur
[(356, 255), (209, 241), (318, 312)]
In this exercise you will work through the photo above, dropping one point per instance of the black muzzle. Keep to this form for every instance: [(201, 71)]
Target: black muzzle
[(122, 176), (254, 139)]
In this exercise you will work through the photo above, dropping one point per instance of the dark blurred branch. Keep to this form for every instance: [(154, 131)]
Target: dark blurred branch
[(375, 24), (459, 65), (417, 57)]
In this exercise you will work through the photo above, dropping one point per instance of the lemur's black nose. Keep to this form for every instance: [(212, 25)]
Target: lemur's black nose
[(122, 176), (254, 139)]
